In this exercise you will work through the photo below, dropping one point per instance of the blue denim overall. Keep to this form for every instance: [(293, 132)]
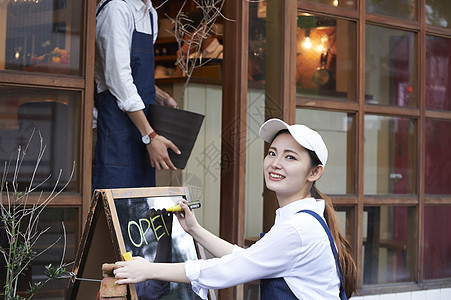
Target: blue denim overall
[(278, 289), (121, 158)]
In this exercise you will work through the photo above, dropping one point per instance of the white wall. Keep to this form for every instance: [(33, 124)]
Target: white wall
[(202, 172), (333, 127), (254, 164)]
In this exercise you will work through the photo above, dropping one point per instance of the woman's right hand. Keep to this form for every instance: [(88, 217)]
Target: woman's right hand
[(187, 219), (213, 244)]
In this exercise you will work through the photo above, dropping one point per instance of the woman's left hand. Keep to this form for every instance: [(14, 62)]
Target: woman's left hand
[(132, 271)]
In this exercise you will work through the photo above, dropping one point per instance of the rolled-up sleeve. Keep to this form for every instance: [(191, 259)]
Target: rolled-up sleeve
[(264, 259), (113, 42)]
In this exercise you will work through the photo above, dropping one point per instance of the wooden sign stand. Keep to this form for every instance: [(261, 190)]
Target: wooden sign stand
[(103, 241)]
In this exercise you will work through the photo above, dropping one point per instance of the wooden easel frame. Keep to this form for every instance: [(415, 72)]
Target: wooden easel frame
[(102, 226)]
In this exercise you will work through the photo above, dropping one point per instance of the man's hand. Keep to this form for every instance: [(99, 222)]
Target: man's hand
[(164, 98), (158, 153), (169, 101)]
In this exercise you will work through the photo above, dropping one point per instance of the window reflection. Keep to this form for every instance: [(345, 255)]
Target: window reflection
[(388, 244), (257, 40), (40, 36), (338, 3), (437, 244), (438, 164), (389, 154), (325, 57), (438, 77), (390, 58), (438, 13), (51, 218), (345, 216), (26, 116), (404, 9), (338, 132)]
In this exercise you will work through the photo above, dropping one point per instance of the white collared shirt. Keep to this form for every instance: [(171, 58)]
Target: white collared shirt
[(114, 29), (214, 50), (296, 248)]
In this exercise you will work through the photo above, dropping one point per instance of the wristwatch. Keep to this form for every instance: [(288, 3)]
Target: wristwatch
[(147, 139)]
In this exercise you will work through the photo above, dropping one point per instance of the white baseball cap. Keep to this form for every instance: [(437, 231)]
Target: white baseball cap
[(306, 137)]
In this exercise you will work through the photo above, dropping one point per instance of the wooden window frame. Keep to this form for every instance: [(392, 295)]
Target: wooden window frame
[(84, 84), (360, 108)]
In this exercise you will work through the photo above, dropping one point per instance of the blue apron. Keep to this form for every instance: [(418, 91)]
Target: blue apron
[(278, 289), (121, 158)]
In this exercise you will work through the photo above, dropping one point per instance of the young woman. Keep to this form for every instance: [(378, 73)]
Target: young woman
[(295, 259)]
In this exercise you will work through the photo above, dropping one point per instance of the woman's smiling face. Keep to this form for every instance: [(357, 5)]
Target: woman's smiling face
[(288, 170)]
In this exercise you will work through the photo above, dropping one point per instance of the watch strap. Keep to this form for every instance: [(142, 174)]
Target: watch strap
[(153, 134)]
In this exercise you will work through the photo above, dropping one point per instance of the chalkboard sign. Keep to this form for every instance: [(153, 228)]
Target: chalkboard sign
[(130, 220)]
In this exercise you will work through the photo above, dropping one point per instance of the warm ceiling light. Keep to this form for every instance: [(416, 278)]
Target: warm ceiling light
[(307, 44)]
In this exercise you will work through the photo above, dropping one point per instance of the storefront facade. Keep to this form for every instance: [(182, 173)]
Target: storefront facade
[(373, 77)]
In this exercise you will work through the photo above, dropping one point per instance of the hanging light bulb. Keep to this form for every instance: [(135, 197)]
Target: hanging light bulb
[(307, 44), (335, 3)]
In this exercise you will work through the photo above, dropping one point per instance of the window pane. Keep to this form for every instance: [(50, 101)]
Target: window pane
[(255, 146), (338, 3), (390, 58), (326, 57), (338, 132), (388, 244), (438, 77), (438, 163), (404, 9), (437, 244), (389, 155), (345, 216), (50, 220), (41, 36), (257, 41), (51, 114), (438, 13)]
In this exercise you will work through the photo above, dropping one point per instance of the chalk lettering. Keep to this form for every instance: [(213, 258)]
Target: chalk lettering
[(159, 227), (143, 232), (140, 233)]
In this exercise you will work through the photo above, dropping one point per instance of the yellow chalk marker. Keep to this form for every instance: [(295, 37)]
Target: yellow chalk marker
[(178, 208), (127, 256)]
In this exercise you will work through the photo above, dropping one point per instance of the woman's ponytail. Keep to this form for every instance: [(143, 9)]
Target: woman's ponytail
[(345, 258)]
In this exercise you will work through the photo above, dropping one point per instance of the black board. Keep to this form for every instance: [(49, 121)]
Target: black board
[(121, 220)]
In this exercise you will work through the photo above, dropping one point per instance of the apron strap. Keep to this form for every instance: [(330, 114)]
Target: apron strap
[(102, 6), (151, 23), (332, 246)]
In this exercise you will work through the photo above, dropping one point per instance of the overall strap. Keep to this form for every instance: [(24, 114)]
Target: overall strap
[(332, 246), (151, 22), (108, 1), (102, 6)]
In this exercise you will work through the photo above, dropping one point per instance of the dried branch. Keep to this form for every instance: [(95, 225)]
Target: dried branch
[(20, 221), (190, 37)]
